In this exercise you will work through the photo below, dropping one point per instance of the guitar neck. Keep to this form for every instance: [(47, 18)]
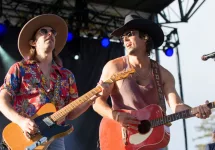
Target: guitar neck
[(179, 115), (87, 97), (71, 106)]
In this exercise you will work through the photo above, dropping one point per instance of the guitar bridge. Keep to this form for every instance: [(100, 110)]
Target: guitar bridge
[(37, 143)]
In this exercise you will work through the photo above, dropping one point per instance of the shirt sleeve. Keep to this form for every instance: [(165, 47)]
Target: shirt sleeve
[(12, 80), (73, 91)]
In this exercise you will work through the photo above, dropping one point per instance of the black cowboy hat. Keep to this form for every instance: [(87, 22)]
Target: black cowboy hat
[(144, 25)]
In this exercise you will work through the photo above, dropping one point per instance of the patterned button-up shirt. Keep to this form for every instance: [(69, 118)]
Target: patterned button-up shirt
[(27, 86)]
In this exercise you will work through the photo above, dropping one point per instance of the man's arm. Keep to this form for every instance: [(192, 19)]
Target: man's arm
[(6, 108), (26, 124), (174, 100), (101, 106), (171, 95)]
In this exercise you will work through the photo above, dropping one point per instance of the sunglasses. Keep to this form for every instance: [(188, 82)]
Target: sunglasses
[(44, 31), (127, 34)]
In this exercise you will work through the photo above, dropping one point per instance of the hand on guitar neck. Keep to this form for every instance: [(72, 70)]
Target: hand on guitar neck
[(202, 111), (105, 88)]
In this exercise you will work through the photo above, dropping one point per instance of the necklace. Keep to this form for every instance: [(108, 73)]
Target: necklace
[(136, 72), (142, 77)]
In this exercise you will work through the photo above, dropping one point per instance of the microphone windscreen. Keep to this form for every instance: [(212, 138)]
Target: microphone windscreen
[(204, 58)]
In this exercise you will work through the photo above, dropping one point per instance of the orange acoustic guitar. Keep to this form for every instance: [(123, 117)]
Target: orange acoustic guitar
[(46, 119), (153, 132)]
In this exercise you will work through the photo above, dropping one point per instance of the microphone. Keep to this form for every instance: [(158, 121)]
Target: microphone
[(207, 56)]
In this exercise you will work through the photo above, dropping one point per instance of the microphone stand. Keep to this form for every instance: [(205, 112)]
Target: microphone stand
[(181, 94)]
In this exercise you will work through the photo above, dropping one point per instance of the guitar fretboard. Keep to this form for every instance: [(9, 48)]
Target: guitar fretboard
[(179, 115), (68, 108), (87, 97)]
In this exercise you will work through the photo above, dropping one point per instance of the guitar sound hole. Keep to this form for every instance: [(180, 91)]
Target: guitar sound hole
[(144, 127)]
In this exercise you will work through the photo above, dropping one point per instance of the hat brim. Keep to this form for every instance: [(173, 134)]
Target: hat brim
[(29, 29), (147, 26)]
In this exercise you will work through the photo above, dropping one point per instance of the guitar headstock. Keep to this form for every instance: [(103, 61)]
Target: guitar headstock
[(122, 74)]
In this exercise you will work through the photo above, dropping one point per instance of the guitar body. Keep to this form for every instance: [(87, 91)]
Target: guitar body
[(15, 140), (111, 133)]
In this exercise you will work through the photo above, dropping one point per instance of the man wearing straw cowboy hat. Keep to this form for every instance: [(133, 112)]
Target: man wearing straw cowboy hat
[(38, 78), (139, 37)]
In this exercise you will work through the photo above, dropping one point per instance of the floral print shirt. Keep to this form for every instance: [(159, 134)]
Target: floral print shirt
[(26, 84)]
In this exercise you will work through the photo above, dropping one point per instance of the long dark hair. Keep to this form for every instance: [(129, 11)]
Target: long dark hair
[(149, 42), (32, 56)]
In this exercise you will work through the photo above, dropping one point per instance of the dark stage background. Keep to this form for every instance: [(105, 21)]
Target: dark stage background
[(87, 71)]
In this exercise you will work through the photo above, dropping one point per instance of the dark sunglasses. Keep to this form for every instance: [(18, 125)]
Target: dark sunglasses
[(44, 31), (127, 34)]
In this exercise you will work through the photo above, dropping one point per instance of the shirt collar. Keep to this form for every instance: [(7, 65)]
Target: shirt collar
[(54, 65)]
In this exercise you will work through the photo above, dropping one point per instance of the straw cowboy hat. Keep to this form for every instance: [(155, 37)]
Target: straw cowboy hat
[(29, 29), (145, 25)]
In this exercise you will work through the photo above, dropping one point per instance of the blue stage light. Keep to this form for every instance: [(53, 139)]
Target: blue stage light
[(169, 51), (105, 42), (69, 37), (3, 29)]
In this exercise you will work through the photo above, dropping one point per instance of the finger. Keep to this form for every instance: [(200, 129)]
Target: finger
[(207, 111), (27, 130), (104, 85), (100, 82), (201, 112), (129, 127), (133, 127), (27, 136), (132, 122), (129, 116), (32, 127), (197, 115), (32, 123), (33, 130), (206, 102)]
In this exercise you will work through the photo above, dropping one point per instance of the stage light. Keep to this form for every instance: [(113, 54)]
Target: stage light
[(3, 29), (169, 51), (105, 42), (76, 57), (69, 37)]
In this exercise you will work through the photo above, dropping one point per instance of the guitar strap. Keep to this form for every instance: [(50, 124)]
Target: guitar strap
[(157, 79)]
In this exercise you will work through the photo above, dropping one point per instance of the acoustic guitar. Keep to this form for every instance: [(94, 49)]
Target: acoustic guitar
[(46, 118), (153, 132)]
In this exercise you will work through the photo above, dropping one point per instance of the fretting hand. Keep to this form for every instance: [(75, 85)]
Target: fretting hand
[(203, 111)]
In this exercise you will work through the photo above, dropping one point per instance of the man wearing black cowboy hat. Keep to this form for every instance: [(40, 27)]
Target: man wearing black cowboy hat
[(139, 37), (39, 78)]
